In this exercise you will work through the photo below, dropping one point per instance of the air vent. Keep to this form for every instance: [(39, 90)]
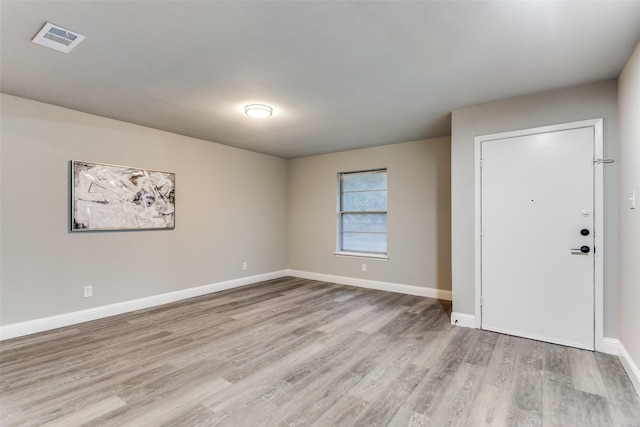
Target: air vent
[(57, 38)]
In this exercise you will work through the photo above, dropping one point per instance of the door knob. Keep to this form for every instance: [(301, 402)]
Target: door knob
[(581, 250)]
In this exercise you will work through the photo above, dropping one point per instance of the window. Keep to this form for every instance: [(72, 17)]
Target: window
[(362, 213)]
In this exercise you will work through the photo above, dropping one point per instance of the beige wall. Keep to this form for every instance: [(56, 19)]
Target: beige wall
[(231, 207), (629, 101), (418, 213), (561, 106)]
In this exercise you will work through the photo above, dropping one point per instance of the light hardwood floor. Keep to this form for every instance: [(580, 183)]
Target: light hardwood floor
[(300, 352)]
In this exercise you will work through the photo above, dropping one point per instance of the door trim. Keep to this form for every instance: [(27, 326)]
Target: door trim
[(598, 194)]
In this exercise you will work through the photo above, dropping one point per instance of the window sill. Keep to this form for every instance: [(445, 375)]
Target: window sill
[(381, 257)]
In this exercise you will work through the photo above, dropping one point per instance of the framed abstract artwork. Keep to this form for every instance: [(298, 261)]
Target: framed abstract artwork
[(109, 197)]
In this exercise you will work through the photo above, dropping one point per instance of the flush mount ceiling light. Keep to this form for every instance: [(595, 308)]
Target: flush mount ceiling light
[(259, 111)]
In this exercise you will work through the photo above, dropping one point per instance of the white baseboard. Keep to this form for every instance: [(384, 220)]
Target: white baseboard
[(610, 346), (373, 284), (630, 366), (464, 320), (47, 323)]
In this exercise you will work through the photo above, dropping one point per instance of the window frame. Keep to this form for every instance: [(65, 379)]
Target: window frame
[(339, 232)]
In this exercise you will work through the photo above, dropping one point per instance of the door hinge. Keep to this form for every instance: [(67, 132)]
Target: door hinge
[(481, 232), (481, 300), (481, 164)]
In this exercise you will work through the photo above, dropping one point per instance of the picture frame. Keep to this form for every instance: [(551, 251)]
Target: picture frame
[(107, 197)]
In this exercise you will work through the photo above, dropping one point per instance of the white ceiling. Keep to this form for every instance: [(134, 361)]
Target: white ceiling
[(340, 75)]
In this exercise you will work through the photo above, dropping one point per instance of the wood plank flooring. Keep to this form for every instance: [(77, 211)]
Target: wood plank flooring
[(294, 352)]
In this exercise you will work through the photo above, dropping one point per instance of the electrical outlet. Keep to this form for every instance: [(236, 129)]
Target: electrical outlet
[(88, 291), (364, 267), (244, 265)]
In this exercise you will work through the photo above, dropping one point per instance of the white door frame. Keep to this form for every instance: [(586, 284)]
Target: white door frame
[(598, 194)]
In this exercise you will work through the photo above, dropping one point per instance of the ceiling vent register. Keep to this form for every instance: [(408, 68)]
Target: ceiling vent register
[(57, 38)]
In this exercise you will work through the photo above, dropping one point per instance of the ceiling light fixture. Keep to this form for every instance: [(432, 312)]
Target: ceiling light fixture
[(259, 111)]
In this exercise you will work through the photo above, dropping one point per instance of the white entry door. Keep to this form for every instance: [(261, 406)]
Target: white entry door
[(537, 236)]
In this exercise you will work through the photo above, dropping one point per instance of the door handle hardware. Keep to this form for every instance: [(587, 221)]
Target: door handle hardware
[(599, 161), (582, 250)]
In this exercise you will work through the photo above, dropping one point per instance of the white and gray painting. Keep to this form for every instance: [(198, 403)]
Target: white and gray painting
[(109, 197)]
